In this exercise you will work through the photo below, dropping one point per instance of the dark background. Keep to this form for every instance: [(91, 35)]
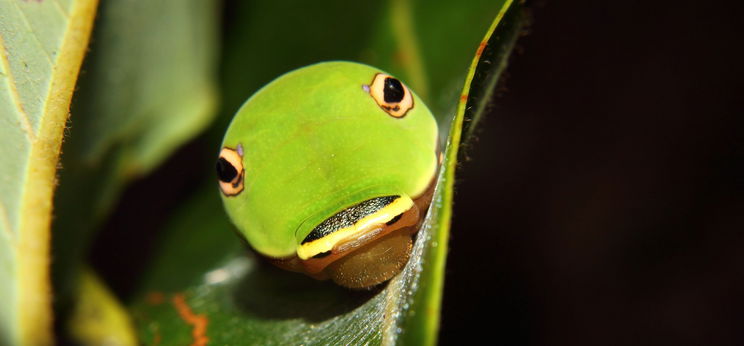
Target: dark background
[(602, 202)]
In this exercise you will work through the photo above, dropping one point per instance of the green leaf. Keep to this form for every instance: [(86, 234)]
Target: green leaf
[(490, 60), (149, 85), (41, 49), (204, 285), (98, 318)]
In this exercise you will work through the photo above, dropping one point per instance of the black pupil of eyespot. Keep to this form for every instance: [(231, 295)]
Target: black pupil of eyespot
[(393, 90), (225, 171)]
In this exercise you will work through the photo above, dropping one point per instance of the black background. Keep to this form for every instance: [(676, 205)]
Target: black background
[(602, 202)]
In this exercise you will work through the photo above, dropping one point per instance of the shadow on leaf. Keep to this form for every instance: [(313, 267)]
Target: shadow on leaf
[(271, 293)]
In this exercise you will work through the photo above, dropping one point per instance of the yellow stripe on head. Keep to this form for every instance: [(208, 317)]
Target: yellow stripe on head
[(327, 242)]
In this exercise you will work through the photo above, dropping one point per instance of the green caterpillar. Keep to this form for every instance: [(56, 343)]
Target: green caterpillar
[(329, 169)]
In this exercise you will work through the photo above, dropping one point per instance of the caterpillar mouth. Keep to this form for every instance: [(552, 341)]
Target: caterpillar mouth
[(360, 246), (363, 245), (376, 249)]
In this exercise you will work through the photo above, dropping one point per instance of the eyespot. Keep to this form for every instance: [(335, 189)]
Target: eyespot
[(391, 95), (230, 172)]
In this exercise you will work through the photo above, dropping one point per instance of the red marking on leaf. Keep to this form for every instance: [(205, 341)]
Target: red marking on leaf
[(481, 47), (463, 97), (199, 333)]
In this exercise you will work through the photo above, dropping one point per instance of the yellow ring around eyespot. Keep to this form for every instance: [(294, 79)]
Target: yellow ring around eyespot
[(327, 243), (395, 109), (234, 187)]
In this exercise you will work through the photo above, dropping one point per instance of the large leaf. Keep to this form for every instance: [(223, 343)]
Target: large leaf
[(41, 48), (149, 85), (204, 285), (427, 43), (488, 63)]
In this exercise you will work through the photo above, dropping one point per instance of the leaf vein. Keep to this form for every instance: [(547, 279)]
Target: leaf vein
[(23, 116), (33, 32), (6, 223), (61, 10)]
